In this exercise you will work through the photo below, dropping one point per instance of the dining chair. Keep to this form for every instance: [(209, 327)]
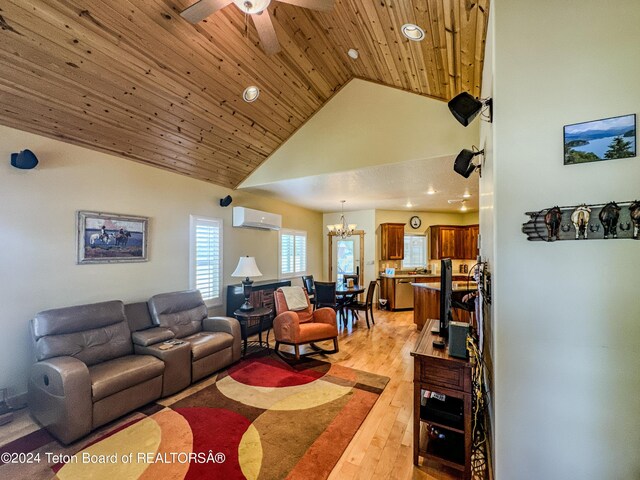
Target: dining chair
[(367, 305), (326, 296), (354, 276), (308, 285)]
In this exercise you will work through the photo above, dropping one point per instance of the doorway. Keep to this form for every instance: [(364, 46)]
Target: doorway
[(346, 256)]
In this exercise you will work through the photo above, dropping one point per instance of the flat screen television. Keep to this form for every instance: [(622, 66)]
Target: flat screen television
[(445, 296)]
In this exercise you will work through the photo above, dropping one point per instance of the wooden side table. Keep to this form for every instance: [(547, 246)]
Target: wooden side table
[(250, 319)]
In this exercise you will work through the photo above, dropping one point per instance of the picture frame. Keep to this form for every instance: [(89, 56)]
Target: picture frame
[(599, 140), (111, 238)]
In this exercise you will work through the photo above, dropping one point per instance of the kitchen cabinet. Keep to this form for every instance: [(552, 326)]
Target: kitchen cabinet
[(453, 241), (392, 241)]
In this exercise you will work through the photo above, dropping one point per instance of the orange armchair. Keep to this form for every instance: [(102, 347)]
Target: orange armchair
[(303, 326)]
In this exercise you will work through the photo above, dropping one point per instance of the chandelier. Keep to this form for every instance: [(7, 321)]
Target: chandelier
[(342, 229)]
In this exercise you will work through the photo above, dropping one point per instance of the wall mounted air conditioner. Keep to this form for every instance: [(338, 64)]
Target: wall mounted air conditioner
[(247, 217)]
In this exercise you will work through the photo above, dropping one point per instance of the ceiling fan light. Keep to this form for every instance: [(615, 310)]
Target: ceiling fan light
[(251, 94), (412, 32), (252, 7)]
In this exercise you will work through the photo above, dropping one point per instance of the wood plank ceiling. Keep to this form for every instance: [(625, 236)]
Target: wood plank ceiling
[(132, 78)]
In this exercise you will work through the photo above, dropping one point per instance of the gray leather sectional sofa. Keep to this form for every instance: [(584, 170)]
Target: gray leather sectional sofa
[(96, 362)]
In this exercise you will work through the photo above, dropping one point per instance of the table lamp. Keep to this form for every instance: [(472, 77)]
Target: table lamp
[(246, 268)]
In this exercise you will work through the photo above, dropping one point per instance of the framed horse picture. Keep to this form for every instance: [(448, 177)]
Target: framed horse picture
[(111, 238)]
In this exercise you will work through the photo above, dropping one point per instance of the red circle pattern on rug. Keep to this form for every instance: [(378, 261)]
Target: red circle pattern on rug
[(267, 372), (219, 430)]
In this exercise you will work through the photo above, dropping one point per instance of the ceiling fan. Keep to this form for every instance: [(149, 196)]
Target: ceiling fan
[(259, 13)]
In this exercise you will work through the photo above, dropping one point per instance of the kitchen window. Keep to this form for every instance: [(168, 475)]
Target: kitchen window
[(415, 252), (205, 258), (293, 253)]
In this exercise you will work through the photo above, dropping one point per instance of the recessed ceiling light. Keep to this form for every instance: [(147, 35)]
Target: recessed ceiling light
[(413, 32), (463, 208), (431, 191), (409, 205), (353, 53), (251, 94)]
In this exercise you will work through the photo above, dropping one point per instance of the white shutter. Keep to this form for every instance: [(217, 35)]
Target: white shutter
[(293, 253), (287, 246), (301, 253), (206, 257)]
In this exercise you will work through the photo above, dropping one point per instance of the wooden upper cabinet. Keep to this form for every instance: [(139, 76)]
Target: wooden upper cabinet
[(452, 241), (473, 231), (392, 241)]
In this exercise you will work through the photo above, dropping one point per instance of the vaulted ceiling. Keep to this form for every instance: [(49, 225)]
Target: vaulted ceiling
[(134, 79)]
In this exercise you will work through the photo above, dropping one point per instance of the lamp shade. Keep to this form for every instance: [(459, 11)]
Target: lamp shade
[(247, 268)]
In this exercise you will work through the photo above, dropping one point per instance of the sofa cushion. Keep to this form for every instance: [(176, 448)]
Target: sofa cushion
[(91, 333), (181, 312), (121, 373), (205, 344)]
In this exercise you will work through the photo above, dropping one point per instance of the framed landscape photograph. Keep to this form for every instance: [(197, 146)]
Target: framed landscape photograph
[(600, 140), (111, 238)]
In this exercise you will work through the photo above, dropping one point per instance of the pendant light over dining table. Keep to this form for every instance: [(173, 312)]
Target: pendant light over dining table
[(342, 229)]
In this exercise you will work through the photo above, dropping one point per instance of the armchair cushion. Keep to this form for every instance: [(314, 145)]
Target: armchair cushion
[(311, 332), (121, 373), (204, 344)]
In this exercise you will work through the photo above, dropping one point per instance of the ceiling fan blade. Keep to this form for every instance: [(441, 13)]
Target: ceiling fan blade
[(202, 9), (266, 32), (312, 4)]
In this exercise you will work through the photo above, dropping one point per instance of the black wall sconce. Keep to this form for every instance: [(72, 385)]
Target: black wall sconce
[(226, 201), (463, 164), (466, 107), (25, 160)]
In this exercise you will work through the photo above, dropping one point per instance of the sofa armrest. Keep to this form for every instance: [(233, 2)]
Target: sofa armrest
[(226, 325), (286, 327), (60, 397), (325, 315), (151, 336)]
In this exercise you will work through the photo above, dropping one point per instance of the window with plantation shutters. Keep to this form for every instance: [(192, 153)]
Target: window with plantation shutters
[(293, 253), (206, 258)]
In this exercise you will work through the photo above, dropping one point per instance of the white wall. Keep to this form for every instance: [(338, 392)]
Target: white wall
[(366, 124), (567, 397), (37, 233)]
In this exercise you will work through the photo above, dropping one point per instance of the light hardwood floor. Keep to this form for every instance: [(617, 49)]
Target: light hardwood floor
[(382, 447)]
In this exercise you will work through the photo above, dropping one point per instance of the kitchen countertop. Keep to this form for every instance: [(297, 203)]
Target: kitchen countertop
[(460, 286), (406, 275)]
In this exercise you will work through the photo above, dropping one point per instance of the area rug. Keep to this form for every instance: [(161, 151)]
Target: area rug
[(262, 419)]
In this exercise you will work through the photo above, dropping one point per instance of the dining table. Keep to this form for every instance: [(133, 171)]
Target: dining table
[(346, 295)]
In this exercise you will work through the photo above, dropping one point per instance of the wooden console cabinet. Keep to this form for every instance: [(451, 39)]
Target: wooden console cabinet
[(436, 371), (261, 296)]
